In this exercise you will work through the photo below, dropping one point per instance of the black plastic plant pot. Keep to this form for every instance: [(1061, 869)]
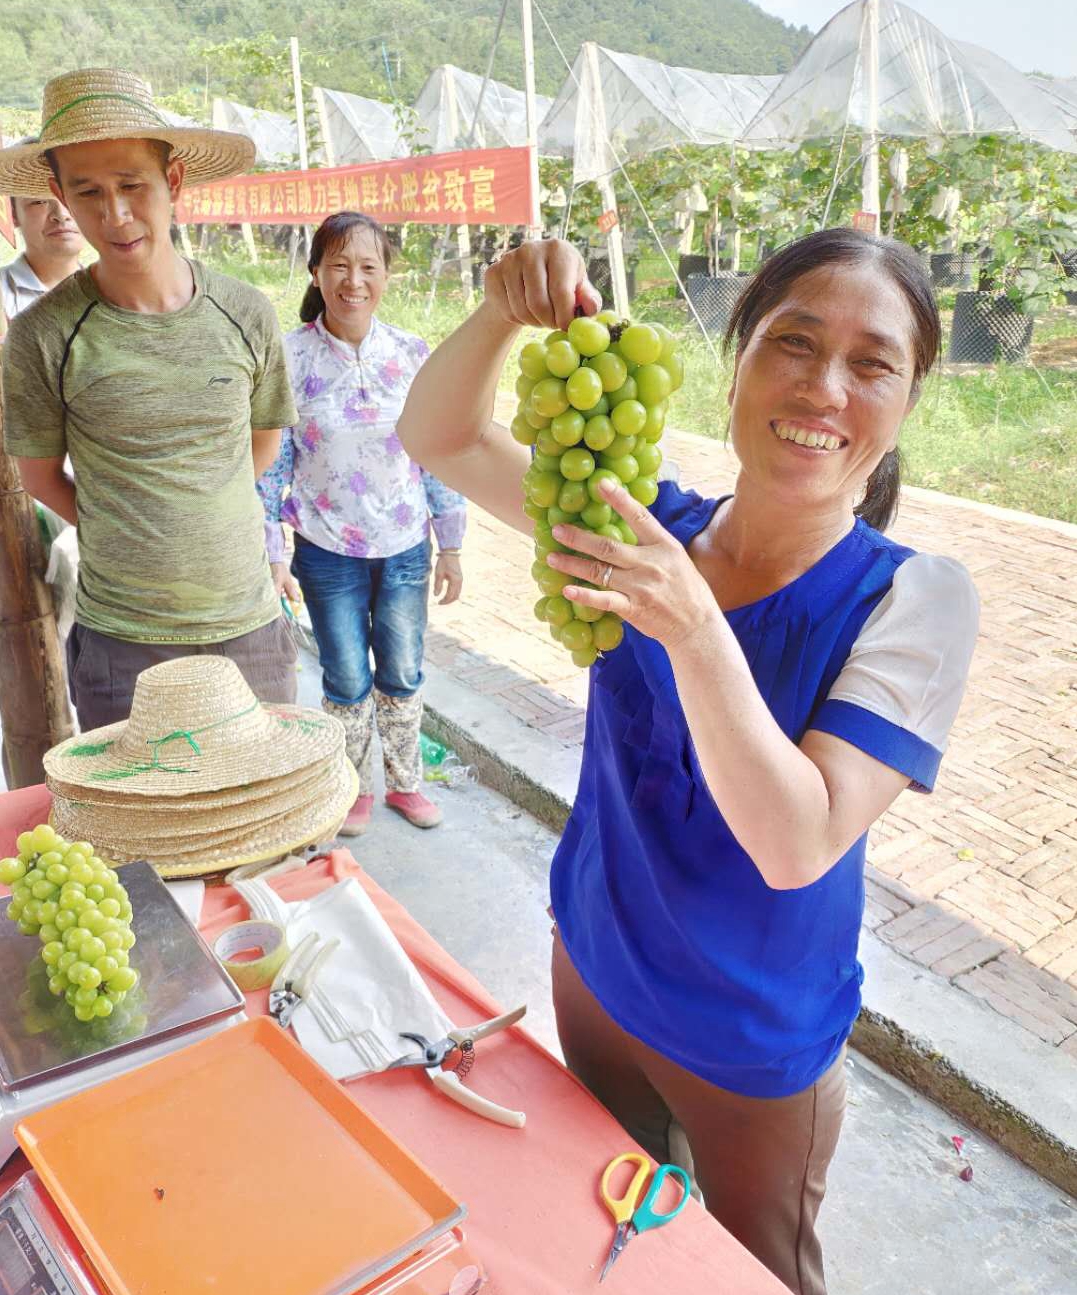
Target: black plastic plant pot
[(989, 328), (598, 271), (691, 263), (954, 270), (714, 297)]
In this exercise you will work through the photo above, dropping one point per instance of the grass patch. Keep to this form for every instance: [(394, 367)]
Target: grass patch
[(1005, 435)]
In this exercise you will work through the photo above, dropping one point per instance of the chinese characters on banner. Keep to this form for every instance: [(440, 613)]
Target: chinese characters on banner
[(7, 221), (474, 187)]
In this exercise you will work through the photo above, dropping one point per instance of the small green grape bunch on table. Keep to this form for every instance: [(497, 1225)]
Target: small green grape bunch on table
[(74, 902), (593, 402)]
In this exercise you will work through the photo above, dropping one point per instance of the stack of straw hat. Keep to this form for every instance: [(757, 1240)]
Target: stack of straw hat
[(202, 776)]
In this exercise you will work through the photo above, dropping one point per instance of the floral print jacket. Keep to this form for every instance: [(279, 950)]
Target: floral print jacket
[(351, 488)]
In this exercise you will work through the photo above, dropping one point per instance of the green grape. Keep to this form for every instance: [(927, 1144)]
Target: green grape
[(126, 911), (112, 940), (640, 343), (576, 635), (584, 613), (83, 1013), (552, 582), (558, 610), (66, 961), (627, 391), (548, 444), (546, 462), (656, 420), (42, 838), (558, 335), (533, 511), (572, 499), (545, 489), (674, 366), (628, 535), (522, 430), (596, 515), (48, 932), (524, 387), (607, 632), (57, 985), (588, 336), (69, 994), (102, 1006), (91, 977), (583, 388), (611, 369), (549, 398), (56, 873), (123, 978), (653, 383), (631, 365), (24, 845), (48, 860), (11, 870), (555, 633), (649, 458), (92, 949), (562, 358), (86, 997), (65, 919), (610, 318), (533, 360), (76, 970), (537, 568), (121, 957), (567, 428), (628, 417), (669, 341), (597, 478), (625, 468), (536, 420), (44, 889), (620, 446), (577, 465), (601, 406), (608, 531), (540, 612), (52, 953), (585, 657), (644, 490), (598, 433), (557, 516), (80, 871)]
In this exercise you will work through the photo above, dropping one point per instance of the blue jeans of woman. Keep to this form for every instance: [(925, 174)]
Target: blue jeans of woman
[(364, 607)]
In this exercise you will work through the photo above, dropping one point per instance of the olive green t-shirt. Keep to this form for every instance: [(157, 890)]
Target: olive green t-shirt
[(156, 413)]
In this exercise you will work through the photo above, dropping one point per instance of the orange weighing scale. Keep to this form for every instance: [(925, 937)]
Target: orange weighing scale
[(235, 1166)]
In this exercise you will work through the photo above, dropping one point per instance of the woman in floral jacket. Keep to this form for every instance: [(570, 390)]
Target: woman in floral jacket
[(362, 512)]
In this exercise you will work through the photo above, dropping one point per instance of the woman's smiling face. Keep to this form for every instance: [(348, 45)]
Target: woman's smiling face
[(823, 384)]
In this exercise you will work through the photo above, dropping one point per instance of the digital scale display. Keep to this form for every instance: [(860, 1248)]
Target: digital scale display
[(35, 1258)]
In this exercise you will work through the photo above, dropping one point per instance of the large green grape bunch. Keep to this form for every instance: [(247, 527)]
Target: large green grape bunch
[(75, 905), (593, 404)]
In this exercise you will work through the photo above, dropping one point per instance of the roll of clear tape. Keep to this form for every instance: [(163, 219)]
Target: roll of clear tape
[(252, 973)]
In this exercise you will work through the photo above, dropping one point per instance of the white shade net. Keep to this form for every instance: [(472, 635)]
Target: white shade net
[(928, 86), (356, 129), (275, 137), (640, 105), (446, 108), (1062, 91)]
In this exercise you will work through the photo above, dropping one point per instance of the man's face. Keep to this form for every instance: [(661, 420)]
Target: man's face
[(121, 194), (47, 229)]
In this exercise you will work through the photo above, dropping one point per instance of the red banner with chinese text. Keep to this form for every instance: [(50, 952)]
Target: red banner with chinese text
[(473, 187)]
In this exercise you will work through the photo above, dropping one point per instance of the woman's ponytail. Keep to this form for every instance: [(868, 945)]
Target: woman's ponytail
[(880, 501)]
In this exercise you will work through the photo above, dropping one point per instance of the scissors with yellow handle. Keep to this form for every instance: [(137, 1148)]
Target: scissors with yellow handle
[(634, 1211)]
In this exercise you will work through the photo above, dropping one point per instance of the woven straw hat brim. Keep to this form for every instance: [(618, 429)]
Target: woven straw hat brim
[(134, 827), (229, 798), (319, 822), (104, 103), (297, 738), (206, 155)]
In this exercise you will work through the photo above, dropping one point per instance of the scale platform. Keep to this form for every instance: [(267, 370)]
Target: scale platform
[(46, 1054)]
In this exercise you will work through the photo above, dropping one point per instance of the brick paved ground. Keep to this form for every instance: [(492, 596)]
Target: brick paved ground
[(977, 882)]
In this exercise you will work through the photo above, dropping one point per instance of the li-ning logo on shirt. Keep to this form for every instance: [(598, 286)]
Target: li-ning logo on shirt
[(213, 382)]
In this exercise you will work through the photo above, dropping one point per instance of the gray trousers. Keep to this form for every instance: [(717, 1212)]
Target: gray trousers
[(102, 670)]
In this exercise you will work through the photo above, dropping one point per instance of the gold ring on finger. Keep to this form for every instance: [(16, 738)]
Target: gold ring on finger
[(607, 576)]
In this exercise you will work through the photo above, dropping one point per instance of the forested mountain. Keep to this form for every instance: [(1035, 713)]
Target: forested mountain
[(382, 48)]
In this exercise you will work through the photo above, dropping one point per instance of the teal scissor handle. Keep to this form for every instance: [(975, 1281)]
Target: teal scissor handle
[(645, 1216)]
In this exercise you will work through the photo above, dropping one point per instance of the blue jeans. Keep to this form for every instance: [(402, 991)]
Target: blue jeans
[(359, 605)]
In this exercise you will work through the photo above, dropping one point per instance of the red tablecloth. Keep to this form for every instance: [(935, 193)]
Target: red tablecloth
[(534, 1215)]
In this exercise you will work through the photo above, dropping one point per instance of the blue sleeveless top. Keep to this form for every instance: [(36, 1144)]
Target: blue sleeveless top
[(667, 920)]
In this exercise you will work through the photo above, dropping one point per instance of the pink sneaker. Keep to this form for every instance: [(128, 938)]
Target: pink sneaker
[(358, 819), (415, 807)]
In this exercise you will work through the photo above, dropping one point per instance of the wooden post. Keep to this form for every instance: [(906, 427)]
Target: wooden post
[(34, 712)]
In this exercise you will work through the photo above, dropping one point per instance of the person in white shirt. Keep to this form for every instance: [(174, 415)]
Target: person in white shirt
[(53, 245)]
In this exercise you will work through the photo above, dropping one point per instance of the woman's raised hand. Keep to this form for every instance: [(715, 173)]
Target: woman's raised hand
[(539, 284), (653, 584)]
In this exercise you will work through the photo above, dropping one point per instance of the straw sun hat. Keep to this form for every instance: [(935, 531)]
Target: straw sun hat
[(202, 776), (106, 103)]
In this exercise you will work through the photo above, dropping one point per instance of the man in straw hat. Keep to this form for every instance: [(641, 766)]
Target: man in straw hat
[(166, 384), (51, 253)]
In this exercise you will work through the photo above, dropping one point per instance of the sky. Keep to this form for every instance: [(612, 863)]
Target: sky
[(1037, 35)]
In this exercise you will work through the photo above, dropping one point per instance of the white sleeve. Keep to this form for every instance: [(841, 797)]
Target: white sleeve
[(900, 689)]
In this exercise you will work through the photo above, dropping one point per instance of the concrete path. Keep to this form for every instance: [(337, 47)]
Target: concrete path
[(977, 883)]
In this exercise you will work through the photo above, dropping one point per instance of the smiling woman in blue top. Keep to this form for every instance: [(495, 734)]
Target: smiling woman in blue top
[(786, 673)]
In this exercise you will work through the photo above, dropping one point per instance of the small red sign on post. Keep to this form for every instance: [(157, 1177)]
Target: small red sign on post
[(868, 221), (608, 220)]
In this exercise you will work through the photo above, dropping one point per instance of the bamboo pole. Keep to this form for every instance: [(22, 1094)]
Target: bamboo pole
[(34, 713)]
